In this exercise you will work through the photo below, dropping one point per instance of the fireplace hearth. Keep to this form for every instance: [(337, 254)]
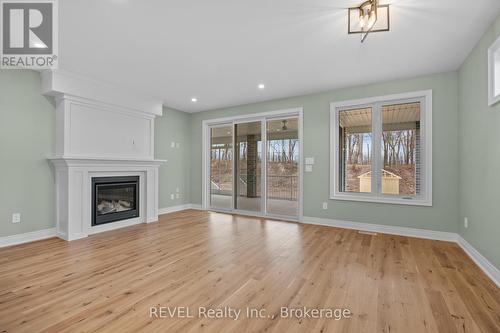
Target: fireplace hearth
[(114, 199)]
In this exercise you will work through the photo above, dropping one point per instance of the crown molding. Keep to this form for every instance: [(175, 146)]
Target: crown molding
[(59, 82)]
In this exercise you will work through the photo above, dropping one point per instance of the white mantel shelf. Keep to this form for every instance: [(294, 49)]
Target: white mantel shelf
[(75, 161)]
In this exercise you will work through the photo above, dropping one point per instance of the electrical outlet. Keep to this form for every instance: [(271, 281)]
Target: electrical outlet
[(172, 196), (172, 144), (325, 205), (466, 222), (16, 218)]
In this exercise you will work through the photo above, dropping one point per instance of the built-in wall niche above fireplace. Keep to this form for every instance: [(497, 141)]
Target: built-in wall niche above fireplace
[(114, 199)]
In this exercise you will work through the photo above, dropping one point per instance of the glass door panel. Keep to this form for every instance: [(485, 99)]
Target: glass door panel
[(221, 167), (248, 140), (282, 170)]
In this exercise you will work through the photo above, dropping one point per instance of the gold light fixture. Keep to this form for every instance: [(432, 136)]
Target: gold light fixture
[(368, 17)]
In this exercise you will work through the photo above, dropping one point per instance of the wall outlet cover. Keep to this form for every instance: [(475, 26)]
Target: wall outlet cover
[(466, 222), (325, 205), (16, 218)]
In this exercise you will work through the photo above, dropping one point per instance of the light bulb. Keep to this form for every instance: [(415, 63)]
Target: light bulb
[(361, 22), (363, 17), (372, 19)]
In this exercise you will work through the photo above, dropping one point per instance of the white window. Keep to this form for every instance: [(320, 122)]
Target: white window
[(494, 73), (381, 149)]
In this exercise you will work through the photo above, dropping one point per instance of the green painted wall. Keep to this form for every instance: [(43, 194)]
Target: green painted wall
[(27, 134), (442, 216), (173, 126), (479, 142)]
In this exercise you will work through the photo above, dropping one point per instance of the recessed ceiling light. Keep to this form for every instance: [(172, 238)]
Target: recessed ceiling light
[(194, 99), (261, 86)]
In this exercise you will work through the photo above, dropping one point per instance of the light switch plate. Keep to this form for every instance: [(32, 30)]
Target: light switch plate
[(310, 160)]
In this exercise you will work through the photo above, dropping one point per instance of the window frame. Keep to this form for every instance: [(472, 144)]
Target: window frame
[(376, 103)]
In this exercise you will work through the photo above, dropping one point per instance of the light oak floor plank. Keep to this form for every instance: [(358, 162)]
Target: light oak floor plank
[(191, 259)]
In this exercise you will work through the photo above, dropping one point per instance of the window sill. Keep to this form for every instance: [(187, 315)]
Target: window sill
[(383, 200)]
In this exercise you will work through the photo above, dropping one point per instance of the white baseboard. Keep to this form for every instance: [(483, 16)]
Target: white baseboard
[(483, 263), (383, 229), (178, 208), (27, 237)]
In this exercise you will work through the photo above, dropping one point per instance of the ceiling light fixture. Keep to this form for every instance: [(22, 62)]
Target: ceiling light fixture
[(194, 99), (261, 86), (368, 17)]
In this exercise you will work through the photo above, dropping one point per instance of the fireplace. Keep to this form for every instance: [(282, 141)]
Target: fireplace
[(114, 199)]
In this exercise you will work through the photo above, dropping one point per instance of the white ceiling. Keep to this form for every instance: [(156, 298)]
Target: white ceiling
[(220, 50)]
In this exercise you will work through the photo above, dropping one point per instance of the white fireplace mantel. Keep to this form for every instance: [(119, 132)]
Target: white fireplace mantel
[(74, 193), (101, 131)]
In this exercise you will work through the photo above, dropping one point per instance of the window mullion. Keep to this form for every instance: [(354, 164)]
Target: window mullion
[(377, 147)]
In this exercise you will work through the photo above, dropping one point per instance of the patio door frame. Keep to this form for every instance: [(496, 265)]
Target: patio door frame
[(263, 117)]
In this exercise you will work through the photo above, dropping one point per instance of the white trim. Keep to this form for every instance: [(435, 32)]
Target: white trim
[(172, 209), (486, 266), (492, 98), (27, 237), (262, 116), (252, 116), (74, 193), (56, 82), (426, 137), (383, 229), (380, 199), (301, 164), (115, 225)]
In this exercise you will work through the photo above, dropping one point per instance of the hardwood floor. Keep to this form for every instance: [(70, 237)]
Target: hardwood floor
[(109, 282)]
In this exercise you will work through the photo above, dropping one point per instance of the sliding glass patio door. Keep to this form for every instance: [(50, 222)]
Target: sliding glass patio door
[(221, 167), (282, 166), (254, 166), (248, 166)]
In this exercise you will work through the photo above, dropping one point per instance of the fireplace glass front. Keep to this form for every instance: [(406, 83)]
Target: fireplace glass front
[(114, 199)]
